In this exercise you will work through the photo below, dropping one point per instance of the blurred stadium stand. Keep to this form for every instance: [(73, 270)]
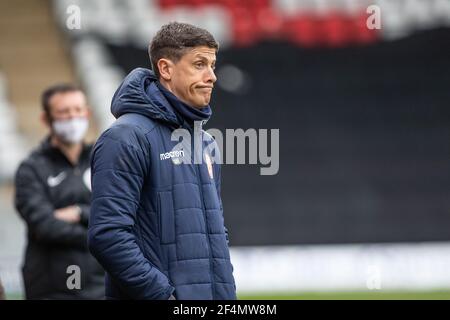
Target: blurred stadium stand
[(363, 117), (32, 57), (12, 144), (363, 114)]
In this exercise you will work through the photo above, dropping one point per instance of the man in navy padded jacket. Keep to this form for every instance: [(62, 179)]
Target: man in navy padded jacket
[(157, 223)]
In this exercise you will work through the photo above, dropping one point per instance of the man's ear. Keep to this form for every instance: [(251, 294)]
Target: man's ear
[(165, 67), (45, 119)]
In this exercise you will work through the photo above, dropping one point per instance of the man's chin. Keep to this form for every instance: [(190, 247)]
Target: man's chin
[(67, 143), (201, 105)]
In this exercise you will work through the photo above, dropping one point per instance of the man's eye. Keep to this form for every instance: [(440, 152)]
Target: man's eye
[(199, 65)]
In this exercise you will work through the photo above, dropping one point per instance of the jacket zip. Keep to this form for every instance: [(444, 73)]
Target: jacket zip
[(197, 166)]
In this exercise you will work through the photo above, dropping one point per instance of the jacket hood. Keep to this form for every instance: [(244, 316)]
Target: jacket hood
[(133, 96)]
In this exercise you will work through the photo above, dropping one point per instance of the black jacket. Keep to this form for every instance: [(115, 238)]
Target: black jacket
[(47, 181)]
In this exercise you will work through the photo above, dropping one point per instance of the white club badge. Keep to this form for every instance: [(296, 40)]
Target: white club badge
[(209, 165), (177, 161)]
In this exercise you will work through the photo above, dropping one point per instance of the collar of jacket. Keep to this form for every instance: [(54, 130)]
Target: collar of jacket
[(52, 151), (185, 113), (139, 93)]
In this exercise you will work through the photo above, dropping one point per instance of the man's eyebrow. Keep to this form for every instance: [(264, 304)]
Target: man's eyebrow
[(202, 57)]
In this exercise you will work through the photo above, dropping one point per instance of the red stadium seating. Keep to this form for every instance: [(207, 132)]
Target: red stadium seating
[(255, 20)]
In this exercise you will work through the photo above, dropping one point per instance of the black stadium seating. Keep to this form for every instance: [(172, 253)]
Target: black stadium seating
[(364, 147)]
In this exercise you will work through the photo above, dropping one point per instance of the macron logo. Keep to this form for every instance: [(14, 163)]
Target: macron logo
[(171, 154)]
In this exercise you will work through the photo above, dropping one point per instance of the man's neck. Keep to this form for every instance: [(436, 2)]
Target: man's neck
[(71, 151), (166, 85)]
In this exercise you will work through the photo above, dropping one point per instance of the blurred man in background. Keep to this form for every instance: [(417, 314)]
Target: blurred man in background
[(53, 197), (157, 222)]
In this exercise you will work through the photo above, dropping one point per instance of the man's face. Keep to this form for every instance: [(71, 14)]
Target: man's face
[(68, 105), (193, 78)]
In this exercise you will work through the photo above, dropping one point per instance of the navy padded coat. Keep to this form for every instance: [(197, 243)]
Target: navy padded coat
[(156, 225)]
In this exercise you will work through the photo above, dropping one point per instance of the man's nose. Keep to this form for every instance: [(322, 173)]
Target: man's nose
[(73, 114), (211, 77)]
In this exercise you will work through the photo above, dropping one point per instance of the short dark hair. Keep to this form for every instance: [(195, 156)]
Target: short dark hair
[(173, 39), (55, 89)]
